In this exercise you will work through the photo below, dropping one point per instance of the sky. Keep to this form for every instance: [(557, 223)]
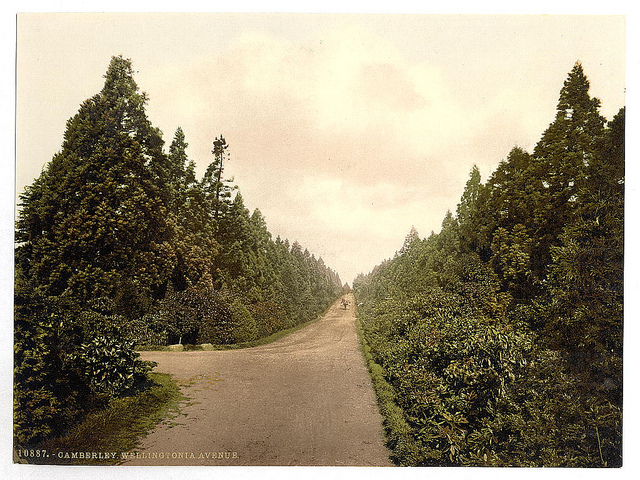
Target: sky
[(344, 130)]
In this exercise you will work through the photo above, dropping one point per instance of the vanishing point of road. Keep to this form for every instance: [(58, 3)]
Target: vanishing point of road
[(305, 399)]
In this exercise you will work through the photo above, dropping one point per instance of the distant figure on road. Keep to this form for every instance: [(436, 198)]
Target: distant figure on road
[(345, 303)]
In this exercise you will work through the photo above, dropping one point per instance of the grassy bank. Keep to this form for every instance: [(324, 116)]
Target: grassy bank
[(116, 429), (397, 432)]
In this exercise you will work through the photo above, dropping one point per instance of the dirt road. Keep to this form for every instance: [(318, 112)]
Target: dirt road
[(303, 400)]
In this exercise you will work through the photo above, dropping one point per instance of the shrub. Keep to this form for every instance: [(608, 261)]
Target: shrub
[(455, 373), (47, 396), (217, 325), (110, 366), (36, 406)]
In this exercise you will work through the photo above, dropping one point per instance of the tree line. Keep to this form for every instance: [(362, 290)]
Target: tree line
[(501, 336), (119, 245)]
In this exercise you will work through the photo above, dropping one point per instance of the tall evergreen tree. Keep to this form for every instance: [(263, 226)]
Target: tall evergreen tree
[(509, 196), (235, 236), (467, 211), (567, 146), (177, 166), (217, 189), (94, 224), (586, 284), (194, 240), (411, 240)]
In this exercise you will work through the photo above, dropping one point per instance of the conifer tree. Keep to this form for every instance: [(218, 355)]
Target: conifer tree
[(217, 189), (234, 235), (567, 146), (194, 240), (94, 224), (177, 161), (411, 240), (467, 211), (586, 281)]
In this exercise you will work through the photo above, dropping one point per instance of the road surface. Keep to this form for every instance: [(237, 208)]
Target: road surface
[(305, 399)]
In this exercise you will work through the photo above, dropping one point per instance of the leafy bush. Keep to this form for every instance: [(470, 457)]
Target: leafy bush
[(400, 440), (148, 330), (458, 374), (194, 315), (54, 383), (110, 366), (48, 397), (217, 325)]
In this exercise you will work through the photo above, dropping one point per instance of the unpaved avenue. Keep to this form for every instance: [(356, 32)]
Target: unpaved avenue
[(303, 400)]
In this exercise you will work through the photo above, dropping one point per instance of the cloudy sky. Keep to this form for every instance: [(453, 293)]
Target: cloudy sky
[(344, 130)]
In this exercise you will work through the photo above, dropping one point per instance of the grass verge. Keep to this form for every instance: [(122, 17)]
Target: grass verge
[(116, 429), (399, 438)]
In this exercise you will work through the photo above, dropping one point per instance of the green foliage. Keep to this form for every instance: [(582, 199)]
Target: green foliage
[(458, 374), (511, 258), (269, 317), (584, 312), (245, 329), (217, 189), (405, 448), (36, 406), (558, 164), (499, 339), (109, 366), (94, 223)]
